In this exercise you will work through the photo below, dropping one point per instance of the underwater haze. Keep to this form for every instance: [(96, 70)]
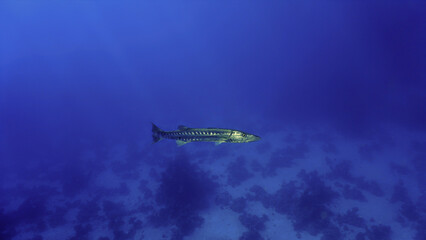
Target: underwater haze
[(336, 91)]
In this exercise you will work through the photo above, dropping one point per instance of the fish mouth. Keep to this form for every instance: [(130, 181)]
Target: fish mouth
[(253, 138)]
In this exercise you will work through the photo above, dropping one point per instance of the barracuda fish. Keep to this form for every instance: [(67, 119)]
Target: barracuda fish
[(217, 135)]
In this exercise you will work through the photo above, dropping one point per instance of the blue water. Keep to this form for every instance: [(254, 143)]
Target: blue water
[(335, 89)]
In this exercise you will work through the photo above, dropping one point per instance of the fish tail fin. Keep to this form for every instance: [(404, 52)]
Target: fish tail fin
[(156, 133)]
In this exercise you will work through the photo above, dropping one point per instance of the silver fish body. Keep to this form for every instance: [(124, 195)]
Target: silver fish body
[(217, 135)]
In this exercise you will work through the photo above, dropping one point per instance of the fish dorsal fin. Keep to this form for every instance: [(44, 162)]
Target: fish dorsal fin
[(183, 128), (181, 143)]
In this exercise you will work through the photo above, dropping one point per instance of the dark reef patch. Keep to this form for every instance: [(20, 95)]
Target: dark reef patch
[(7, 226), (88, 211), (184, 191), (103, 238), (379, 232), (238, 205), (421, 230), (332, 233), (253, 222), (184, 185), (37, 237), (257, 193), (56, 218), (237, 172), (135, 225), (409, 211), (352, 218), (342, 171), (32, 212), (306, 204), (116, 214), (399, 193), (251, 235), (81, 232), (284, 200), (311, 212), (186, 225)]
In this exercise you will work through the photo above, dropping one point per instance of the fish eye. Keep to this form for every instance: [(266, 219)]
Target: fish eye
[(244, 135)]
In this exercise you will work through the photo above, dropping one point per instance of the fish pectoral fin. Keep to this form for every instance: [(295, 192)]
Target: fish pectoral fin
[(217, 143), (183, 128), (181, 143)]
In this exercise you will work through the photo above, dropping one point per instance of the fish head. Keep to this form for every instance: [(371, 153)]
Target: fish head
[(242, 137)]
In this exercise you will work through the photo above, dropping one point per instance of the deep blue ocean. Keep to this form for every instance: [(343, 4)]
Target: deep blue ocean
[(335, 89)]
